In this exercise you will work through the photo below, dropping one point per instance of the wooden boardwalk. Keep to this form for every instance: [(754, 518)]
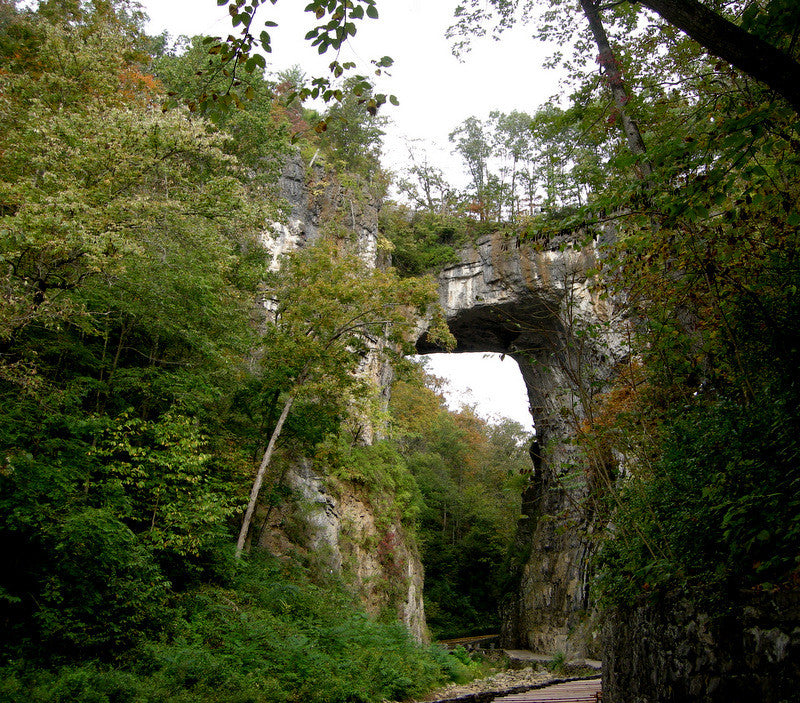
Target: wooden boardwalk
[(470, 643), (584, 691)]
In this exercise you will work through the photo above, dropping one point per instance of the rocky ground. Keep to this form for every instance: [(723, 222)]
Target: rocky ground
[(500, 682)]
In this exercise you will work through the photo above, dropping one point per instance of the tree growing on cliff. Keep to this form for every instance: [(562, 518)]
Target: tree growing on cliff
[(328, 312)]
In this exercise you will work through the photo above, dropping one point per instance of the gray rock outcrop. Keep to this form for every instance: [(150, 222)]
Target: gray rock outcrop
[(327, 519)]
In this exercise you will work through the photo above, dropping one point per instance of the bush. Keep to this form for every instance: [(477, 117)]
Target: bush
[(272, 638), (719, 512)]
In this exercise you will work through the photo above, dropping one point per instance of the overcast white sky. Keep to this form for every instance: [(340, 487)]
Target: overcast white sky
[(436, 93)]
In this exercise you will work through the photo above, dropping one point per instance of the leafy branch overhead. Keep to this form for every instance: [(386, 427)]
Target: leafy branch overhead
[(239, 53), (759, 39)]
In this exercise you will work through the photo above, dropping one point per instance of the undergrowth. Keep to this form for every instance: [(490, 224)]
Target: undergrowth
[(270, 635)]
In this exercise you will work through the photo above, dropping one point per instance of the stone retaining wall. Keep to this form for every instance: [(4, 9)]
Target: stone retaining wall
[(668, 652)]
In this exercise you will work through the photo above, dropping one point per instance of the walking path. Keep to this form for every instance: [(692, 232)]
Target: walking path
[(588, 690), (522, 683)]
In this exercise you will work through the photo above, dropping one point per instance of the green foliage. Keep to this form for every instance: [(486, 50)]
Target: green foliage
[(421, 242), (272, 636), (329, 311), (327, 305), (705, 258), (719, 512), (236, 55), (707, 261), (259, 129), (169, 493), (133, 400), (100, 194), (350, 136), (382, 472), (468, 473), (127, 270), (557, 665)]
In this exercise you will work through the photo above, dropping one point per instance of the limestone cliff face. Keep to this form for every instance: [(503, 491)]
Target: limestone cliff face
[(327, 521), (335, 526), (542, 307)]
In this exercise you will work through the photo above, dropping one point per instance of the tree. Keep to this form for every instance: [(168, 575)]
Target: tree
[(472, 144), (471, 475), (763, 45), (512, 134), (705, 260), (128, 268), (89, 184), (744, 49), (426, 186), (350, 135), (328, 311), (613, 74), (259, 129)]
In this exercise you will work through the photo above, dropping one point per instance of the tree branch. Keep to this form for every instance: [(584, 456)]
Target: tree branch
[(728, 41)]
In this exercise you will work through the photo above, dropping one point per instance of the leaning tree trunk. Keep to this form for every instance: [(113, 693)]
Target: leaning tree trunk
[(608, 62), (262, 470)]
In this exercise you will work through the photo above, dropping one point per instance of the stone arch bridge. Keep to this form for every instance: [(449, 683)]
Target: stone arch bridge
[(543, 307)]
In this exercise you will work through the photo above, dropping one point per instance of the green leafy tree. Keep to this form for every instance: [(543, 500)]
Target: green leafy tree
[(351, 136), (470, 475), (472, 143), (328, 310), (512, 135), (128, 270), (259, 131), (758, 39)]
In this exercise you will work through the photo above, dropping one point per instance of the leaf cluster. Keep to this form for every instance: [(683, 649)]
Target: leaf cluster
[(337, 22)]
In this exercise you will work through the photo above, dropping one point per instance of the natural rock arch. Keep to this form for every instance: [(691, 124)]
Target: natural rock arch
[(534, 303), (544, 308)]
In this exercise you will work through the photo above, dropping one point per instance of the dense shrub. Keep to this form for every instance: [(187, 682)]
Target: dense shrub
[(720, 510), (271, 637)]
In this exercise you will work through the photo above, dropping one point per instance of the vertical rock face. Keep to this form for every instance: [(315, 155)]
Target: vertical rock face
[(328, 520), (540, 306), (334, 524)]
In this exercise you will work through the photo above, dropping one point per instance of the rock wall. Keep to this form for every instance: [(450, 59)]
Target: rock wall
[(329, 522), (668, 652), (334, 526), (541, 306), (534, 304)]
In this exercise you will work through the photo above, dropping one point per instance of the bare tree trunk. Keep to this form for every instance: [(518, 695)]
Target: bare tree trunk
[(608, 62), (513, 187), (262, 470)]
